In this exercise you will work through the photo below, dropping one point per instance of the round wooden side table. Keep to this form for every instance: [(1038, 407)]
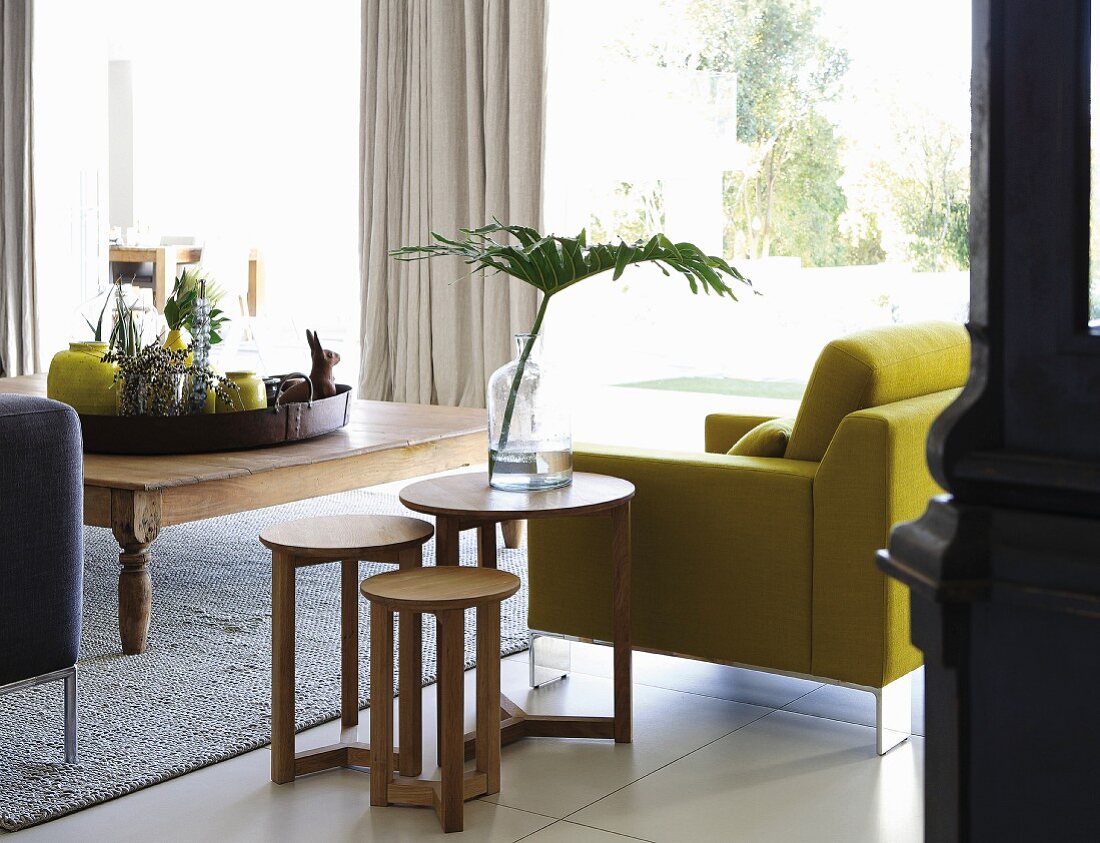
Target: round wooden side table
[(446, 592), (346, 539), (467, 502)]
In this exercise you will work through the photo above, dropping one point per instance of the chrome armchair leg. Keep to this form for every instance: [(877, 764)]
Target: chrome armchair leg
[(894, 713), (548, 657), (70, 716)]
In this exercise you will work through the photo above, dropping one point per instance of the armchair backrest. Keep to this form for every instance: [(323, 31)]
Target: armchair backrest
[(875, 367)]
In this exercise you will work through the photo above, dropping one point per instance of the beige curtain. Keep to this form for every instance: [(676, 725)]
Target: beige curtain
[(18, 341), (452, 135)]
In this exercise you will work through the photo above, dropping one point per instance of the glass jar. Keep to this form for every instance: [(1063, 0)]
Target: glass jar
[(530, 440)]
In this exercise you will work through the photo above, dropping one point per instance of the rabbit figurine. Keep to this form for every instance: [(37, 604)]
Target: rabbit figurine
[(324, 384)]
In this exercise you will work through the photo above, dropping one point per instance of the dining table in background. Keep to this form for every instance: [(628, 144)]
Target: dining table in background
[(166, 261)]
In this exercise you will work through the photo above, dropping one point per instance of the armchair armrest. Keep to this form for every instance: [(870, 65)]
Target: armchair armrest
[(41, 536), (721, 557), (724, 429), (873, 475)]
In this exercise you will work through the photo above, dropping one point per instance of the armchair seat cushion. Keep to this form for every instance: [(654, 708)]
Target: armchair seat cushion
[(722, 557)]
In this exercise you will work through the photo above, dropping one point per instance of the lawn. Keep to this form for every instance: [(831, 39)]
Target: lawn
[(726, 386)]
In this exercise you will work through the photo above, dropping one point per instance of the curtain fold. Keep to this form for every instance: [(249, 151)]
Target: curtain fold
[(18, 317), (452, 135)]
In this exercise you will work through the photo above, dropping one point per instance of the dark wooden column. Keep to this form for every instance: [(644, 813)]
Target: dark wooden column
[(1004, 571)]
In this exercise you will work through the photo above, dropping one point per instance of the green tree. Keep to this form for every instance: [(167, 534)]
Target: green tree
[(864, 245), (808, 199), (631, 212), (931, 196), (786, 198)]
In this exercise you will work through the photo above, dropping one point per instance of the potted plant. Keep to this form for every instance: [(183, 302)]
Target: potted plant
[(534, 457), (179, 309)]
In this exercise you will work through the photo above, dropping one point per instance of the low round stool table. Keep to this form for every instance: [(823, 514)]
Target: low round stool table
[(447, 593), (347, 539), (467, 502)]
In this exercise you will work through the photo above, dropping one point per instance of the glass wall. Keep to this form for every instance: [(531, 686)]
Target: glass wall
[(246, 135), (821, 147)]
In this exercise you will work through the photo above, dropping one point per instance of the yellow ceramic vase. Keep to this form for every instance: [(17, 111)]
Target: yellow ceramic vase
[(253, 395), (81, 379), (175, 342)]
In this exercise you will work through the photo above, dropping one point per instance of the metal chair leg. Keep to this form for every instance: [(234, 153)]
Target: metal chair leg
[(894, 714), (548, 657), (70, 716)]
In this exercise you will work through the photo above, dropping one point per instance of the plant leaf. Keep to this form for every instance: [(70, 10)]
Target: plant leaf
[(552, 263)]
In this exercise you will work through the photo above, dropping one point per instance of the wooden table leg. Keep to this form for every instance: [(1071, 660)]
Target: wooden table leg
[(135, 522), (349, 643), (620, 596), (446, 553), (282, 667), (411, 672), (164, 275), (381, 709), (450, 704), (487, 545), (514, 532), (487, 745)]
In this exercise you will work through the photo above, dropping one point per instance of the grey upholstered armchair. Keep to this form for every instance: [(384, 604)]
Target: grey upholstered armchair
[(41, 548)]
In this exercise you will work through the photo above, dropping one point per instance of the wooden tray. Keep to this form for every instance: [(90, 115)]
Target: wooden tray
[(216, 431)]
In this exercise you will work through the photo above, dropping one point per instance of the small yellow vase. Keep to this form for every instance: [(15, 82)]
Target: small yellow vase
[(175, 341), (253, 394), (81, 379)]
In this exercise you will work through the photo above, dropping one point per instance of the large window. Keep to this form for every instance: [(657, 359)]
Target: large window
[(245, 135), (822, 147)]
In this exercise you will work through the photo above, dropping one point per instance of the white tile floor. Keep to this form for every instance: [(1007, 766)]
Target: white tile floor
[(720, 754)]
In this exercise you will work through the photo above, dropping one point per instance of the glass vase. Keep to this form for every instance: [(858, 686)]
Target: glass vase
[(530, 440)]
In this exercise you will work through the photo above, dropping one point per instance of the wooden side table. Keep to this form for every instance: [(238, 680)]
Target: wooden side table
[(445, 591), (347, 539), (467, 502)]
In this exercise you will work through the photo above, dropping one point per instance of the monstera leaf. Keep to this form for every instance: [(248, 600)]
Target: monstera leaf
[(552, 263)]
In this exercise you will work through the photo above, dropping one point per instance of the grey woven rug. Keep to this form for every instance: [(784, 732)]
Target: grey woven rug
[(201, 692)]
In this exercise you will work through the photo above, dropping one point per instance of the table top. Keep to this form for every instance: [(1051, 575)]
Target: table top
[(469, 494), (146, 254), (352, 536), (374, 426), (440, 589)]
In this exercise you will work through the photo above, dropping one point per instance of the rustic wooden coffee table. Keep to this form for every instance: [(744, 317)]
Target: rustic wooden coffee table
[(138, 496)]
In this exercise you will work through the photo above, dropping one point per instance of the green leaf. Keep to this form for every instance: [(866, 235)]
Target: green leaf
[(626, 254), (552, 263)]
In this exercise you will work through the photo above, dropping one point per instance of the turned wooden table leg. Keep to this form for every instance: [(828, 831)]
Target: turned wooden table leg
[(135, 521)]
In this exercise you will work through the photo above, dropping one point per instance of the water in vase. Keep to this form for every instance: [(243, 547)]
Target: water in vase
[(525, 468)]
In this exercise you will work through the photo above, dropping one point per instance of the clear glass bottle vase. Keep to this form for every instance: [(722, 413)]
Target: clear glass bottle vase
[(530, 440)]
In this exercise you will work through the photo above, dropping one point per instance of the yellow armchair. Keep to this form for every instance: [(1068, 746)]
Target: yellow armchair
[(769, 562)]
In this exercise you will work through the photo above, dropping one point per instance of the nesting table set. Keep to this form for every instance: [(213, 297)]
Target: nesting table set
[(458, 502)]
